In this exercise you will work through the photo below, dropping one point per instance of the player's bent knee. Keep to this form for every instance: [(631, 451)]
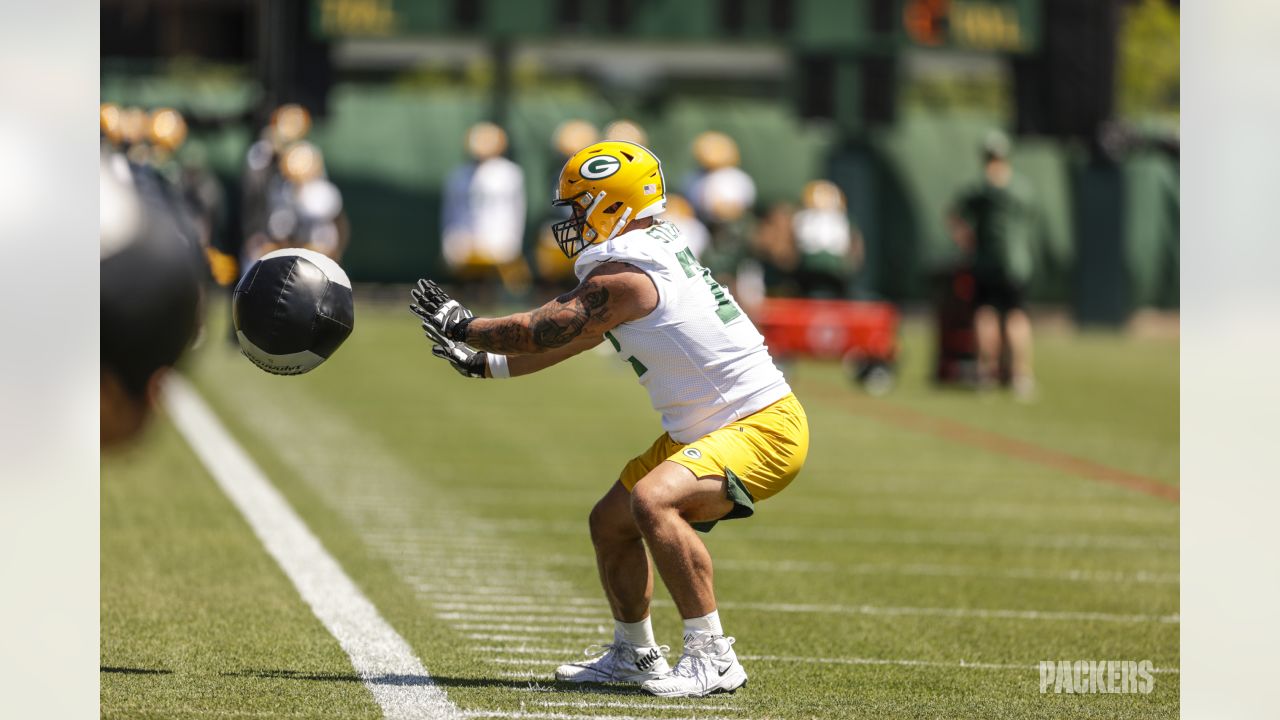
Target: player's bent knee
[(650, 503), (611, 523)]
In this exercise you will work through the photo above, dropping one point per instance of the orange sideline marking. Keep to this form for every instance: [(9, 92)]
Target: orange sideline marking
[(1005, 445)]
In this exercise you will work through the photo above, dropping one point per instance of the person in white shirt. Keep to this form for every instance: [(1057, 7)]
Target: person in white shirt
[(722, 195), (829, 246), (734, 435), (484, 213)]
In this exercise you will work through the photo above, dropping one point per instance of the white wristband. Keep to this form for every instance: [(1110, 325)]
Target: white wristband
[(498, 369)]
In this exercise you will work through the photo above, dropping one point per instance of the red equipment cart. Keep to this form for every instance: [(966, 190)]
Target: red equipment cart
[(861, 333)]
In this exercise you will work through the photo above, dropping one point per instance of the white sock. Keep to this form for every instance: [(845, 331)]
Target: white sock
[(706, 624), (639, 634)]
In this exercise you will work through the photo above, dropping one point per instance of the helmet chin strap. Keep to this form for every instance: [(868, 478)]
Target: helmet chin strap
[(592, 207), (617, 227), (655, 208)]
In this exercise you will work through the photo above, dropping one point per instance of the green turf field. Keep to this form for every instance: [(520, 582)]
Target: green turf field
[(937, 546)]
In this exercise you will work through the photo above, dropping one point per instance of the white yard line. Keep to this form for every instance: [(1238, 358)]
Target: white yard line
[(170, 711), (911, 663), (388, 666), (634, 706), (535, 629), (565, 716), (489, 637), (878, 536), (938, 570), (1120, 577), (523, 649), (468, 596), (949, 612), (472, 590), (527, 617), (530, 608)]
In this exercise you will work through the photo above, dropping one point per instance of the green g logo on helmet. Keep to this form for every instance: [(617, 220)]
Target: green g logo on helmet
[(600, 166)]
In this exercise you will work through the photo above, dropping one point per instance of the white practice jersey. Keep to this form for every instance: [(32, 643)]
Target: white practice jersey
[(700, 357)]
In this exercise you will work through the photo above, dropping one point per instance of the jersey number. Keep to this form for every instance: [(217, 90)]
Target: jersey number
[(726, 308), (635, 364)]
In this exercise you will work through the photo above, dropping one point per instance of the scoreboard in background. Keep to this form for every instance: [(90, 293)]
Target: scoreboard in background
[(1005, 26), (845, 52), (992, 25)]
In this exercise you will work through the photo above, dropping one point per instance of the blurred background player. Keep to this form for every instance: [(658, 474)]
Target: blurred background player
[(200, 194), (680, 212), (997, 225), (624, 130), (734, 432), (484, 214), (770, 268), (554, 270), (287, 124), (287, 200), (722, 195), (308, 213), (277, 168), (828, 245)]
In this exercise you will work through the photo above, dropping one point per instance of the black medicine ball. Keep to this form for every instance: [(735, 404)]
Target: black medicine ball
[(292, 310)]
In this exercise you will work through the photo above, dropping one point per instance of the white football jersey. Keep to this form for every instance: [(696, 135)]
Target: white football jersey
[(700, 357)]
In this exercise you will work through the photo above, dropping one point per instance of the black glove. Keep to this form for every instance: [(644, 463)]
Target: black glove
[(439, 311), (468, 361)]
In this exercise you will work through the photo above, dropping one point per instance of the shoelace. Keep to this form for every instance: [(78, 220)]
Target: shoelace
[(599, 652), (687, 667)]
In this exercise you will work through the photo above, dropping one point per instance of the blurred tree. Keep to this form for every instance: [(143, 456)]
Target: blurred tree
[(1149, 46)]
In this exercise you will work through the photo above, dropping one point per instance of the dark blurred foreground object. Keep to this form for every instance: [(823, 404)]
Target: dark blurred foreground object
[(863, 334), (292, 310), (151, 274)]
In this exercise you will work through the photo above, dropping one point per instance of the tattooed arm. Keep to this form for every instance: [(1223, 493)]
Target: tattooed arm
[(612, 294), (518, 365)]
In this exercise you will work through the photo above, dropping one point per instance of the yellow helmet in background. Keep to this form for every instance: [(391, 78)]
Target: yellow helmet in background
[(486, 140), (625, 130), (109, 121), (822, 195), (714, 150), (290, 123), (607, 185), (571, 135), (167, 129), (134, 123), (301, 163)]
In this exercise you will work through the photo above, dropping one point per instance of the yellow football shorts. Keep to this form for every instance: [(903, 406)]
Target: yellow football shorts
[(759, 455)]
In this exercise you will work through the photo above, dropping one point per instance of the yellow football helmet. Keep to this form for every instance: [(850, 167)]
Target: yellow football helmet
[(607, 185), (166, 129), (109, 122)]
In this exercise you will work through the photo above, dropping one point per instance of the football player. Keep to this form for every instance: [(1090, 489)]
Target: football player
[(734, 432)]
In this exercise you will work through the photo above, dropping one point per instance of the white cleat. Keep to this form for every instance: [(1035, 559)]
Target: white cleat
[(707, 666), (619, 662)]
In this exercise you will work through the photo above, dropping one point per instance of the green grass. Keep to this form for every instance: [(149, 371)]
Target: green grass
[(423, 485), (196, 617)]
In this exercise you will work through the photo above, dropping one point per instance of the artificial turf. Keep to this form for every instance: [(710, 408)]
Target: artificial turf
[(906, 573)]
